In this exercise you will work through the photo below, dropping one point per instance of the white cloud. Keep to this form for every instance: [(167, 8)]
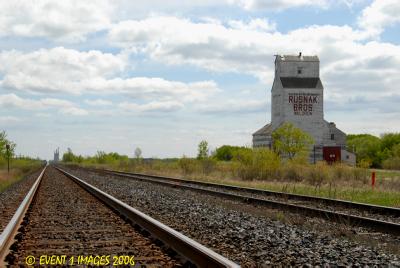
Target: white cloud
[(370, 70), (129, 8), (278, 4), (234, 106), (14, 101), (74, 20), (207, 44), (98, 102), (68, 20), (57, 69), (380, 14), (156, 88), (254, 25), (9, 119), (73, 111), (43, 115), (61, 70), (348, 59), (242, 48), (154, 106), (65, 107)]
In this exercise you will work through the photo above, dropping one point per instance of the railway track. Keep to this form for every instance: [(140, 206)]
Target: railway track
[(378, 218), (13, 196), (63, 216)]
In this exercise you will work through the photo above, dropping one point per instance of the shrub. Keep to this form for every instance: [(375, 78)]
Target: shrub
[(226, 152), (360, 175), (291, 171), (318, 173), (364, 163), (243, 164), (68, 156), (392, 163), (340, 172), (208, 165), (187, 165), (259, 163), (268, 163)]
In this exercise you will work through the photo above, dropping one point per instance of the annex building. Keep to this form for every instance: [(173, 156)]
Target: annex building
[(297, 96)]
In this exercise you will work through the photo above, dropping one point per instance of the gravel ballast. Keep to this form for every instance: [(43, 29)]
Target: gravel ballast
[(237, 231), (344, 208)]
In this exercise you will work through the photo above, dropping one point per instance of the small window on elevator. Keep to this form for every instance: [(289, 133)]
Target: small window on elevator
[(332, 136), (299, 70)]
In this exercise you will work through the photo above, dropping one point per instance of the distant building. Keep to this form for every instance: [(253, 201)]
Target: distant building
[(297, 97), (57, 155)]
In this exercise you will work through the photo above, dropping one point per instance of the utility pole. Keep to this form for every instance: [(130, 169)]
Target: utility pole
[(8, 157)]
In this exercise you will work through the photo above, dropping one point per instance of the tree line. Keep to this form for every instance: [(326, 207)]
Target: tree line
[(290, 143), (100, 157), (376, 152), (371, 151)]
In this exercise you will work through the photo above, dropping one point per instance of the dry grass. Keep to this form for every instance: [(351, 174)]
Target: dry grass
[(19, 170), (5, 176), (357, 189), (7, 179), (337, 181)]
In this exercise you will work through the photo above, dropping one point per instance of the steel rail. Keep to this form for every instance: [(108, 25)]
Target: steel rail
[(8, 234), (378, 225), (187, 247), (328, 201)]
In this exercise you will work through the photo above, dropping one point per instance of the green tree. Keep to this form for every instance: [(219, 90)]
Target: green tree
[(101, 157), (3, 143), (226, 152), (203, 150), (396, 150), (367, 148), (290, 141), (68, 156), (393, 161), (388, 140)]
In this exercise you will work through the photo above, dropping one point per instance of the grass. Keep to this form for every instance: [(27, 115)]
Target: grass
[(19, 169), (363, 194), (387, 174), (7, 179)]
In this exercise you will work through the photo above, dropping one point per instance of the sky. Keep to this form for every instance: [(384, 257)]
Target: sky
[(164, 75)]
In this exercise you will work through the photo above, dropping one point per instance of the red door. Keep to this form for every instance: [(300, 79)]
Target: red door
[(331, 154)]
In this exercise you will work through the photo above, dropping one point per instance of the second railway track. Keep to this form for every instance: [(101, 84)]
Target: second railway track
[(379, 218), (66, 220)]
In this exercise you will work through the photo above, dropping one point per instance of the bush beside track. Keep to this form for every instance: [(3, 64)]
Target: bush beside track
[(260, 168)]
